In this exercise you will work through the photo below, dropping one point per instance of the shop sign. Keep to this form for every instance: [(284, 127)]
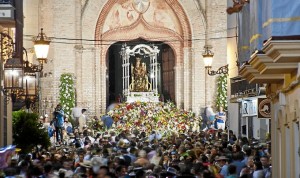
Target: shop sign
[(249, 107), (264, 108)]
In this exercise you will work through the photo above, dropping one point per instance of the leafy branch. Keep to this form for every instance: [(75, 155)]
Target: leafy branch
[(67, 93)]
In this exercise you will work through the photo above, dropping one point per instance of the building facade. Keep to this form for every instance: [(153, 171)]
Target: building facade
[(87, 34), (11, 46), (274, 60)]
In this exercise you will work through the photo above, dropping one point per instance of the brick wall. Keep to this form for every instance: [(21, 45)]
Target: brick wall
[(74, 19)]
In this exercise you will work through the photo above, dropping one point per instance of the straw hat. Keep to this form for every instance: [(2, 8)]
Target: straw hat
[(87, 164), (221, 158)]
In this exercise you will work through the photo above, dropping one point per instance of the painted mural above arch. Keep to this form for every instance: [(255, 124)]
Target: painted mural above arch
[(156, 13)]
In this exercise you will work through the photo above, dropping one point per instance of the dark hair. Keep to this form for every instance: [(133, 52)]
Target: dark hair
[(238, 156), (258, 165), (48, 167), (231, 169), (106, 168), (265, 156)]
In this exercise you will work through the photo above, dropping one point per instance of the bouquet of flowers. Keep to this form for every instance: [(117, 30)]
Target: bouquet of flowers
[(153, 116)]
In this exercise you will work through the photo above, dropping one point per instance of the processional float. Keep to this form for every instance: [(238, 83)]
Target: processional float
[(139, 84)]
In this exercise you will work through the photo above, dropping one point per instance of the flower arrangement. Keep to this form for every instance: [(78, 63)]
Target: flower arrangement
[(162, 117), (221, 99), (67, 93)]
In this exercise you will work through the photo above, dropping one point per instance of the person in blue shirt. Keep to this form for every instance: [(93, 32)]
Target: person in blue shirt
[(222, 163), (221, 118), (58, 121)]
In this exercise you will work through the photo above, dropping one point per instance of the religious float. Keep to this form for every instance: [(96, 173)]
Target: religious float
[(139, 84)]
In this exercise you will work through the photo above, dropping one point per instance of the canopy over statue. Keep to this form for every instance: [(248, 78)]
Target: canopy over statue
[(139, 77), (137, 84)]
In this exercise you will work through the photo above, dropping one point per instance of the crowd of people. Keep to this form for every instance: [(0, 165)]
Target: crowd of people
[(83, 152)]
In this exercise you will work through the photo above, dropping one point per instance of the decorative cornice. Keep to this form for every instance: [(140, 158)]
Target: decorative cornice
[(283, 50), (265, 65), (266, 78), (254, 76), (246, 70)]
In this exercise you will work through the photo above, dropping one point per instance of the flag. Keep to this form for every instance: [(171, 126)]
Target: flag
[(5, 155)]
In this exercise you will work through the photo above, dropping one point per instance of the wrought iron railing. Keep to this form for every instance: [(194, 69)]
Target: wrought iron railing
[(241, 88)]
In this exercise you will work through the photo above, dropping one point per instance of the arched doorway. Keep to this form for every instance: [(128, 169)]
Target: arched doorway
[(166, 79), (173, 29)]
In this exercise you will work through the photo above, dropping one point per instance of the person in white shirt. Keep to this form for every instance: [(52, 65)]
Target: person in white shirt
[(68, 126), (82, 120), (76, 112), (221, 118)]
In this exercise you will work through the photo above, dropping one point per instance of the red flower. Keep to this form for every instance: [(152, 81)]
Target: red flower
[(129, 107)]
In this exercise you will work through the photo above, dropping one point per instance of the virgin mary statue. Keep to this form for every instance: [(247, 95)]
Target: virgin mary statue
[(139, 77)]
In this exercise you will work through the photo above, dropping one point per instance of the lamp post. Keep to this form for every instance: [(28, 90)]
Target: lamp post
[(41, 47), (207, 58), (18, 73)]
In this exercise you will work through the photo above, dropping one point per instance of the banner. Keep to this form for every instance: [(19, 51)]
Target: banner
[(5, 155), (264, 108)]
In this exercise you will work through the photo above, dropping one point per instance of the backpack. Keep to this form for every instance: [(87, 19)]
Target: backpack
[(69, 129), (50, 131)]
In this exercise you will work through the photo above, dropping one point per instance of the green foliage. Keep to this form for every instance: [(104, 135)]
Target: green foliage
[(67, 93), (28, 132), (221, 99)]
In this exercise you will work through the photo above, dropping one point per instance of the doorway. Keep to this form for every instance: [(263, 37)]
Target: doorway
[(166, 80)]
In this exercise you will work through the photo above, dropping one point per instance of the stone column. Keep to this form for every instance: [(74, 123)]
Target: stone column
[(102, 76), (78, 75), (179, 83), (78, 52), (187, 72), (98, 104)]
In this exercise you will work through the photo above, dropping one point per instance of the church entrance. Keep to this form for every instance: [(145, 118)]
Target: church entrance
[(165, 67)]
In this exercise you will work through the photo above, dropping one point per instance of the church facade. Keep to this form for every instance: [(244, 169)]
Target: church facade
[(87, 37)]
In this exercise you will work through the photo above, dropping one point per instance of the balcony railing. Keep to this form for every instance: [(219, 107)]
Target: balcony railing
[(240, 88)]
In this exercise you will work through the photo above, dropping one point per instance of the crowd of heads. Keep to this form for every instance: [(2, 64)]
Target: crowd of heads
[(135, 153)]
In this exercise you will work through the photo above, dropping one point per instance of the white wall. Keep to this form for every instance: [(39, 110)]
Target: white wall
[(233, 109)]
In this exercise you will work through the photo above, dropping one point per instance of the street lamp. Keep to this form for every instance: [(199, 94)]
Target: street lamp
[(13, 77), (19, 73), (207, 58), (13, 68), (41, 47), (30, 95)]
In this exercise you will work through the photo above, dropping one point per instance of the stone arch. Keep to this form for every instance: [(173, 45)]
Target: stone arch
[(178, 40), (149, 33), (175, 40)]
